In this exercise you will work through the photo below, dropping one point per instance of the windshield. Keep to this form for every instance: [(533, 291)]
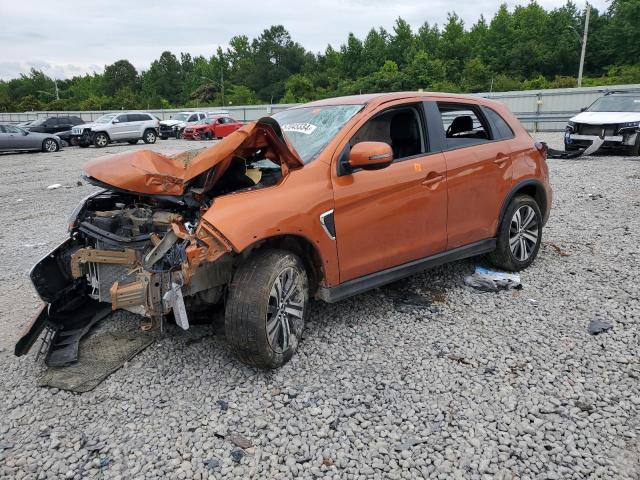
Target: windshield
[(105, 118), (616, 103), (181, 117), (310, 129)]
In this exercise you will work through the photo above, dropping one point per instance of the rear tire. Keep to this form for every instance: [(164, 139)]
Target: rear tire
[(100, 140), (267, 301), (50, 145), (519, 235), (149, 136)]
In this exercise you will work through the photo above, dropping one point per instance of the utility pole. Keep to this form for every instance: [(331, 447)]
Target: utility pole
[(584, 44), (55, 82), (222, 85)]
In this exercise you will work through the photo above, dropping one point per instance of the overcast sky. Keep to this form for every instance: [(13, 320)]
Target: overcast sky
[(74, 37)]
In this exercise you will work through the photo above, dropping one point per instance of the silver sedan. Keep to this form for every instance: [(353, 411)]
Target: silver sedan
[(14, 138)]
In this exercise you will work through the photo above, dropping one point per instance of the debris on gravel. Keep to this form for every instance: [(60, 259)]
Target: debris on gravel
[(597, 326), (538, 397)]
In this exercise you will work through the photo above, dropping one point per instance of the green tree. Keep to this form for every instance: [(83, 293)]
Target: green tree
[(29, 103), (119, 75)]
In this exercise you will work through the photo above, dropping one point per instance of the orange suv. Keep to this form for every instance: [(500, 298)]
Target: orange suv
[(324, 200)]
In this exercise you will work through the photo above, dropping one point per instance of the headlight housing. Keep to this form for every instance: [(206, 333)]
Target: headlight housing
[(630, 125)]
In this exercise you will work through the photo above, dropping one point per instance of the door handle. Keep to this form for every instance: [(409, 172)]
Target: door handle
[(432, 179), (500, 159)]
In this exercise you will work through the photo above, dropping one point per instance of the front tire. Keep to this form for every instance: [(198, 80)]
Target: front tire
[(100, 140), (149, 136), (265, 310), (50, 145), (519, 235), (634, 150)]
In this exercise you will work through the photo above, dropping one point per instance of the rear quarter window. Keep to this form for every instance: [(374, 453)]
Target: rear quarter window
[(502, 129)]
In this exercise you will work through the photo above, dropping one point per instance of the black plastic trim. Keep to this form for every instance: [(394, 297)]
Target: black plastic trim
[(519, 186), (378, 279)]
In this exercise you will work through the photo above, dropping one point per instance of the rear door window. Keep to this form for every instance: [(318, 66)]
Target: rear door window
[(464, 125)]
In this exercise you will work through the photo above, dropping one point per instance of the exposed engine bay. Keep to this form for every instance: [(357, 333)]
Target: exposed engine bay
[(149, 253)]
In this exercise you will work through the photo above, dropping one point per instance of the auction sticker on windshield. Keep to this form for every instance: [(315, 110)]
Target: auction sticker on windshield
[(306, 128)]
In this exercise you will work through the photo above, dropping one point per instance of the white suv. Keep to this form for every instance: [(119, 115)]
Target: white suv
[(117, 127), (178, 121)]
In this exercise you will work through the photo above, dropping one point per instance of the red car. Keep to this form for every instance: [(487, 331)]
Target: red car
[(212, 127)]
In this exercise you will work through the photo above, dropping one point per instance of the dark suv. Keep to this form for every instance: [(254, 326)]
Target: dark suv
[(60, 125)]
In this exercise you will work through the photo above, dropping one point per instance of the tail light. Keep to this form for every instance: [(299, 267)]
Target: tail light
[(542, 148)]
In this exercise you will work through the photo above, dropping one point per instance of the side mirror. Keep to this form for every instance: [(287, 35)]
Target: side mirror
[(583, 109), (25, 132), (370, 155), (115, 120)]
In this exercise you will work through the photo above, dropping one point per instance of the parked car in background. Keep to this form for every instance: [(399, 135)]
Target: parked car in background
[(213, 127), (614, 118), (224, 125), (61, 123), (176, 124), (326, 200), (117, 127), (201, 130), (13, 138)]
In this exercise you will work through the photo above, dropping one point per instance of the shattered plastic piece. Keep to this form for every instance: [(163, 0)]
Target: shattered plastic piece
[(240, 441), (212, 463), (595, 145), (333, 425), (236, 455), (407, 444), (54, 186), (224, 405), (487, 280), (597, 326)]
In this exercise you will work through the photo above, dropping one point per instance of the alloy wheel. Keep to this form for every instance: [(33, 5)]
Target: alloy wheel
[(151, 137), (286, 310), (101, 140), (50, 145), (523, 233)]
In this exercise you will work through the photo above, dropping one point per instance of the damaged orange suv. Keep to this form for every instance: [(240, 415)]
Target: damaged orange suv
[(323, 200)]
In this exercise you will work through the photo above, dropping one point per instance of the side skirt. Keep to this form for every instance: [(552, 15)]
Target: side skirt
[(378, 279)]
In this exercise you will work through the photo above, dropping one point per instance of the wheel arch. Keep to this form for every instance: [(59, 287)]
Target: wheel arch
[(93, 134), (297, 244), (535, 189)]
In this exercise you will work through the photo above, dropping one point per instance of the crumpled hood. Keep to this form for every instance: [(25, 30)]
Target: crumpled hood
[(88, 125), (606, 118), (153, 173)]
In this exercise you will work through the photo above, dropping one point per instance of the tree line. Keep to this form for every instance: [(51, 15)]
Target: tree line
[(526, 48)]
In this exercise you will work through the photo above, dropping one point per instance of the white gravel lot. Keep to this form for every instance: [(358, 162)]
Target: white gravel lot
[(475, 385)]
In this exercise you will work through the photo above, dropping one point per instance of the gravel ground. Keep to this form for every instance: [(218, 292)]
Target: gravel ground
[(469, 385)]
